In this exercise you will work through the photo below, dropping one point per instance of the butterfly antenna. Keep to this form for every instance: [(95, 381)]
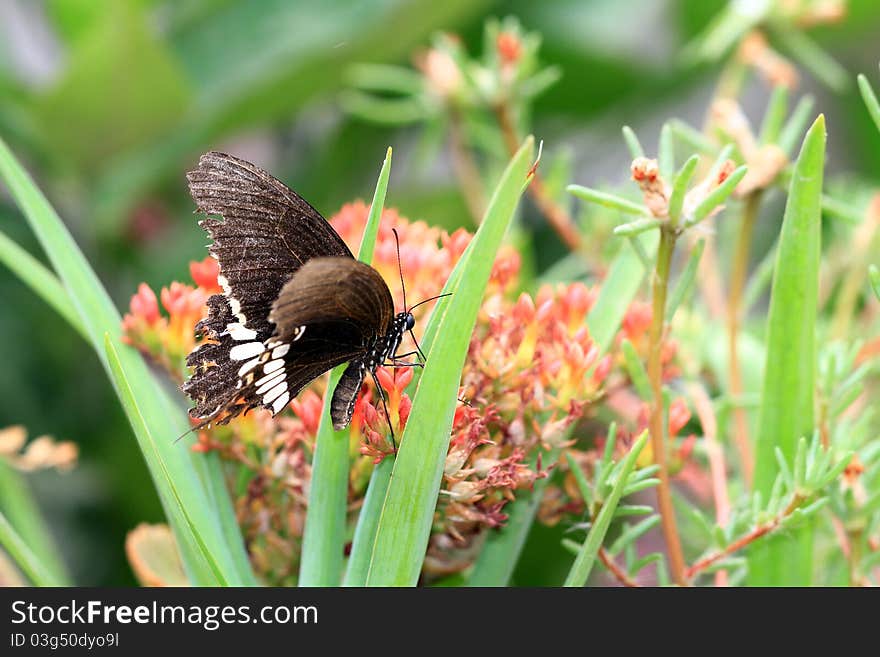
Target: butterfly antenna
[(400, 268), (413, 335), (381, 391)]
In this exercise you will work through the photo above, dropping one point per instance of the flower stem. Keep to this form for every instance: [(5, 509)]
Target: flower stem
[(660, 287), (734, 310), (556, 215)]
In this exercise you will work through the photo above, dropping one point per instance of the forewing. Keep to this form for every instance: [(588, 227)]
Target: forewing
[(337, 290), (267, 233)]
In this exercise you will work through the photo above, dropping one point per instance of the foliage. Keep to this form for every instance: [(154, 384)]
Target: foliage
[(658, 366)]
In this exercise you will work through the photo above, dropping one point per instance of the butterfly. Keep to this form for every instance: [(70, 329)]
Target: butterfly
[(295, 301)]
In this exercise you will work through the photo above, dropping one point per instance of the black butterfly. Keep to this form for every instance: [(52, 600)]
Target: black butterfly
[(295, 301)]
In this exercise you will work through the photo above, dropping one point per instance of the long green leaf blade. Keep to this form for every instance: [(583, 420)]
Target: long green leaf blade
[(405, 522), (786, 412)]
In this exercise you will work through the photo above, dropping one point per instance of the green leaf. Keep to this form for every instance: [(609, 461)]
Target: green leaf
[(619, 288), (368, 521), (42, 281), (693, 138), (797, 122), (716, 197), (637, 227), (325, 535), (583, 564), (633, 533), (680, 186), (787, 399), (208, 555), (20, 509), (405, 521), (608, 200), (22, 555), (636, 370), (686, 281), (811, 56), (870, 99), (632, 142), (774, 117)]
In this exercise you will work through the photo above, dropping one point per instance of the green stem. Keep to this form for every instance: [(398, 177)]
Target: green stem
[(660, 287)]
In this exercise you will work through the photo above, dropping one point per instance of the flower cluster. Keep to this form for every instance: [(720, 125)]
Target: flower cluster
[(168, 340)]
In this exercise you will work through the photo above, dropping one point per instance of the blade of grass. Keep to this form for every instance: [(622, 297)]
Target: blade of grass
[(21, 510), (368, 521), (583, 564), (22, 555), (196, 527), (787, 399), (405, 520), (870, 99), (37, 276), (324, 535)]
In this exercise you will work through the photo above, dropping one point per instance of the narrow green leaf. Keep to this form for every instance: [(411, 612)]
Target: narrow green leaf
[(870, 99), (368, 521), (608, 200), (405, 521), (686, 281), (22, 555), (42, 281), (583, 564), (205, 550), (787, 397), (811, 56), (797, 122), (20, 509), (636, 370), (716, 197), (842, 210), (774, 117), (633, 533), (632, 142), (581, 479), (693, 138), (680, 187), (637, 227), (620, 286), (325, 534)]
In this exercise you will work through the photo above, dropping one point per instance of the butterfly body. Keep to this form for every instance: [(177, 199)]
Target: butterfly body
[(295, 302)]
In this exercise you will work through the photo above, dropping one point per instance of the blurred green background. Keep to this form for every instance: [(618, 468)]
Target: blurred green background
[(110, 102)]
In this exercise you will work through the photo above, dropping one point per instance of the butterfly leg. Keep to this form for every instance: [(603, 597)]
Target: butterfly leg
[(381, 392)]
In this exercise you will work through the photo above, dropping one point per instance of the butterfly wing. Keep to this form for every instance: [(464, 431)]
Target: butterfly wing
[(267, 233), (332, 310)]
